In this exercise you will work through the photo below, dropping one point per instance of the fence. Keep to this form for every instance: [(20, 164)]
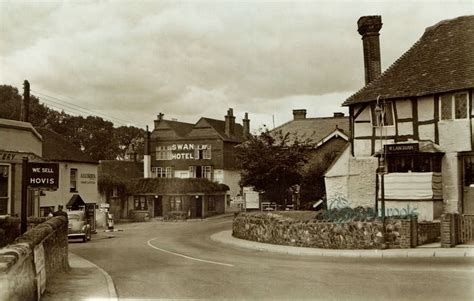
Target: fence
[(456, 229), (465, 228)]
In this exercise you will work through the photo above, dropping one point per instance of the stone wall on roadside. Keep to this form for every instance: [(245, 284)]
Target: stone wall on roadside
[(277, 229), (18, 277)]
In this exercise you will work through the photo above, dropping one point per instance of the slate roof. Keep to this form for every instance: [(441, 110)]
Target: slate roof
[(180, 128), (120, 169), (441, 61), (314, 129), (57, 148), (219, 127)]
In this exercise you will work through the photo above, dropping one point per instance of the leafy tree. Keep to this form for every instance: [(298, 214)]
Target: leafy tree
[(93, 135), (273, 163)]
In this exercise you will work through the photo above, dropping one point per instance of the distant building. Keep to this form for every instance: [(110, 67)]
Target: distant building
[(201, 150), (417, 119)]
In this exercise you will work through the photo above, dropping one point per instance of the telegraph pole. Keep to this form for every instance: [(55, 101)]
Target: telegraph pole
[(24, 194), (25, 104)]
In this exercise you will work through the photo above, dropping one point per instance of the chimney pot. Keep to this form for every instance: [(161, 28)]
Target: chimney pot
[(246, 125), (229, 122), (299, 114), (369, 27)]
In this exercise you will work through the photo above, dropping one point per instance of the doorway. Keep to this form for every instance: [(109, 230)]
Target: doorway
[(468, 184), (158, 206), (199, 206)]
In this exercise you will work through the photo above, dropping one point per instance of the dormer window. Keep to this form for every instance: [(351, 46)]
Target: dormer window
[(454, 106)]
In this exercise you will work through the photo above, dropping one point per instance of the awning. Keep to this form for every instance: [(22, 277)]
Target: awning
[(75, 202), (411, 147)]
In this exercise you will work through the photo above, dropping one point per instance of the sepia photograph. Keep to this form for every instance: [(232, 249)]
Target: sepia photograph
[(236, 150)]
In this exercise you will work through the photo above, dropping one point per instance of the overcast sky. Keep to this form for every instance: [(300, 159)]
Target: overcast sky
[(133, 59)]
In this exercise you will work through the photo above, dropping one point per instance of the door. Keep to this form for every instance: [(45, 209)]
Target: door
[(199, 206), (468, 184), (158, 206)]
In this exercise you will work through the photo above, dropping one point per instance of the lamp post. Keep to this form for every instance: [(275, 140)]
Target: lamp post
[(380, 114)]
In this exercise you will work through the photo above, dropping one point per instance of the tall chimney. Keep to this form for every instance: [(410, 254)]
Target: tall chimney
[(146, 156), (299, 114), (246, 125), (25, 103), (229, 122), (158, 120), (369, 27)]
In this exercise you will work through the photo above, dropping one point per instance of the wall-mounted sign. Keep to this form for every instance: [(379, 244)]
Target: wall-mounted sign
[(88, 178), (7, 156), (402, 148), (189, 151), (43, 175)]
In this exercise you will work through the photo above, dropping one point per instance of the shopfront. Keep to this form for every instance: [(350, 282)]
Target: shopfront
[(467, 160)]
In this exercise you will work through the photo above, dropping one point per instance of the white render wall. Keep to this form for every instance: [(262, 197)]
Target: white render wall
[(86, 187)]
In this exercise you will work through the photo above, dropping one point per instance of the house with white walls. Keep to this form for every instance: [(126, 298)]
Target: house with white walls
[(413, 124)]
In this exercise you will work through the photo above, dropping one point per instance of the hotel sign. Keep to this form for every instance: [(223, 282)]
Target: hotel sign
[(402, 148), (187, 151), (43, 175)]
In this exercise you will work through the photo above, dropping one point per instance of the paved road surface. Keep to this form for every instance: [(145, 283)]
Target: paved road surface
[(169, 260)]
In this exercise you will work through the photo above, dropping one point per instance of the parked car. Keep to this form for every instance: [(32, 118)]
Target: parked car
[(78, 226)]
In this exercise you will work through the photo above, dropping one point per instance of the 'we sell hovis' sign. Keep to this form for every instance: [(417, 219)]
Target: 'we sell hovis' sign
[(43, 175)]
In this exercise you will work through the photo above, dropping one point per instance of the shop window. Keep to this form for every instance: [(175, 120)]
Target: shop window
[(140, 202), (385, 118), (211, 204), (454, 106), (468, 171), (4, 189), (201, 172), (176, 203), (162, 172), (414, 163), (73, 180), (163, 153)]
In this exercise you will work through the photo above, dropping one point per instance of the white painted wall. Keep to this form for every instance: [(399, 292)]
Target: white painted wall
[(424, 209), (426, 132), (451, 182), (404, 108), (425, 108), (454, 135), (86, 187), (231, 179), (405, 128)]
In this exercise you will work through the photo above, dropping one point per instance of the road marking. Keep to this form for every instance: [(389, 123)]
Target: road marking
[(187, 257)]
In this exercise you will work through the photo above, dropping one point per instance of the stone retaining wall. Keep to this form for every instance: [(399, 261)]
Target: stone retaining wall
[(277, 229), (18, 278)]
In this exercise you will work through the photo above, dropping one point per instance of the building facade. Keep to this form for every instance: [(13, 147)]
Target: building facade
[(201, 150), (413, 124)]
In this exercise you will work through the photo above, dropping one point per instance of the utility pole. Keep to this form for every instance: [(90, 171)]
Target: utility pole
[(25, 104), (24, 195)]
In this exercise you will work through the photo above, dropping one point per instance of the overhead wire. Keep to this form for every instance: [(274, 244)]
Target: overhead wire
[(76, 109)]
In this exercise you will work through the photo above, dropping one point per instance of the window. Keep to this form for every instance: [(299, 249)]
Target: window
[(163, 153), (163, 172), (73, 180), (416, 163), (385, 118), (176, 203), (140, 202), (211, 204), (201, 172), (454, 106), (203, 152), (469, 171), (4, 189)]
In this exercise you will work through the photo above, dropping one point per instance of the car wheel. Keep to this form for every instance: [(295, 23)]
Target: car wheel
[(84, 239)]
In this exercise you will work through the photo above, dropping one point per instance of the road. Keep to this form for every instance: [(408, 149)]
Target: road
[(175, 260)]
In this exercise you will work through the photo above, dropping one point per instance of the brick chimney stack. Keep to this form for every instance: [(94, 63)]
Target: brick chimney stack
[(246, 125), (368, 28), (229, 122), (299, 114)]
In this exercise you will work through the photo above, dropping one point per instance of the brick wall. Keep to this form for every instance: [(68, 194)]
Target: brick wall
[(17, 269), (429, 232)]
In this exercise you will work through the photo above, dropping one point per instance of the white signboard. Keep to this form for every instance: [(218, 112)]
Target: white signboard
[(40, 269), (252, 199)]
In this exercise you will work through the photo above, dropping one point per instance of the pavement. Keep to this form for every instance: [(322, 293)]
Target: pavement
[(84, 281), (226, 238)]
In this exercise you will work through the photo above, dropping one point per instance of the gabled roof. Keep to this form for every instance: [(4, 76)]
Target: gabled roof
[(219, 127), (441, 61), (314, 129), (57, 148), (177, 128), (120, 169)]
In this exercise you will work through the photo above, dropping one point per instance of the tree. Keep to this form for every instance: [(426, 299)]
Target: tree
[(126, 136), (273, 163)]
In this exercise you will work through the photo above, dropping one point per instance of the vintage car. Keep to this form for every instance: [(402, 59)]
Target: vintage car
[(78, 226)]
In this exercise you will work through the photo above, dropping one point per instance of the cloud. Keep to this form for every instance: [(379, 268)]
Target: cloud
[(137, 58)]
